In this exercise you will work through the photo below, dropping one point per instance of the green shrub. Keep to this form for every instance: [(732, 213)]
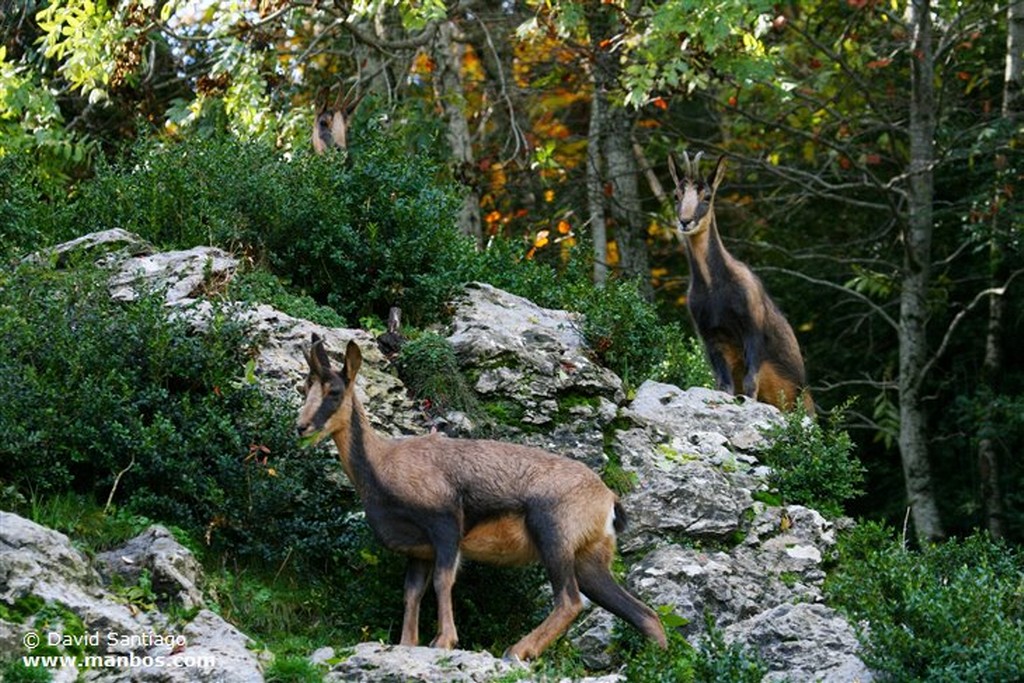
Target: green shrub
[(292, 669), (359, 232), (813, 464), (713, 662), (25, 209), (951, 612), (91, 388), (258, 286), (16, 672), (628, 336), (429, 368)]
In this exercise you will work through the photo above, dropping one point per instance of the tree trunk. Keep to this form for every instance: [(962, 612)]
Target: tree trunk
[(992, 367), (630, 221), (595, 181), (448, 81), (917, 242)]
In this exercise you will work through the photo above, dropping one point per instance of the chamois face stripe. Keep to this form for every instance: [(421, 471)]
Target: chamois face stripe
[(329, 401)]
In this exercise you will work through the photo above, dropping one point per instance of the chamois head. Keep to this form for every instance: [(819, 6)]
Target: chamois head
[(695, 194), (330, 127), (327, 391)]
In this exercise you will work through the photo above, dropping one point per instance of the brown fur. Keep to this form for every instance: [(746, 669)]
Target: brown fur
[(434, 499), (751, 346), (330, 125)]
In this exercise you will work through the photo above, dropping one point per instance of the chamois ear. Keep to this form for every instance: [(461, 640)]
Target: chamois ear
[(319, 363), (353, 360), (719, 173)]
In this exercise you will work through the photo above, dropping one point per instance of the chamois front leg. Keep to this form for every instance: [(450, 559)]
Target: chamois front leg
[(446, 564), (720, 368), (416, 577), (753, 354)]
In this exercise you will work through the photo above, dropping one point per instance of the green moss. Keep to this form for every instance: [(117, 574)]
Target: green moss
[(22, 609)]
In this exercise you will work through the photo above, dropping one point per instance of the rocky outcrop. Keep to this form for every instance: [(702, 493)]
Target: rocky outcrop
[(57, 603), (699, 542)]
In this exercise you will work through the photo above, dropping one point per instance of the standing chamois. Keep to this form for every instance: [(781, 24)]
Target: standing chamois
[(749, 343), (330, 126), (435, 499)]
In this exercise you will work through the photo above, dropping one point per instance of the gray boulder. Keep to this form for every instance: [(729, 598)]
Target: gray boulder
[(528, 354), (42, 573), (173, 571), (803, 642), (378, 663)]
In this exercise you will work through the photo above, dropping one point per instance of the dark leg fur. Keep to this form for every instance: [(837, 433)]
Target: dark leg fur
[(445, 540), (417, 575), (597, 583)]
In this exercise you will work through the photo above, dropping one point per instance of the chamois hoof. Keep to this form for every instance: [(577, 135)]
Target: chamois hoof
[(444, 643)]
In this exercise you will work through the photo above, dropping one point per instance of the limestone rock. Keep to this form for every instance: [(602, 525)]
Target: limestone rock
[(522, 352), (803, 643), (377, 663), (41, 565), (105, 244), (180, 275), (172, 568), (692, 413)]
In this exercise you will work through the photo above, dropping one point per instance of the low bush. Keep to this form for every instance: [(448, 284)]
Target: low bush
[(950, 612), (428, 367), (813, 463), (107, 399), (713, 661), (622, 328), (360, 231)]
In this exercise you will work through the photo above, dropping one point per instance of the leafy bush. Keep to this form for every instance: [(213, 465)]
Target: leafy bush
[(259, 286), (25, 211), (92, 390), (359, 232), (812, 464), (713, 662), (951, 612)]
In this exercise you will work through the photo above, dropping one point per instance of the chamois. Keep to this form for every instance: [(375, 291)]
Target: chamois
[(750, 344), (435, 498), (330, 126)]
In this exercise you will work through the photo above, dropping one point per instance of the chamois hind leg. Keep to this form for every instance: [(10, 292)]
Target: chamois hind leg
[(416, 577), (557, 560), (598, 584)]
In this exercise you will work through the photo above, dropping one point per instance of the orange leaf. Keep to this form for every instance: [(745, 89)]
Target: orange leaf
[(660, 103), (564, 227)]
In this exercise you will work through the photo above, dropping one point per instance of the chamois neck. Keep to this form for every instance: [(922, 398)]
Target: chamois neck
[(358, 445), (703, 248)]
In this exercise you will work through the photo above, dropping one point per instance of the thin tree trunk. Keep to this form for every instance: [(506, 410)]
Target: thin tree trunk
[(630, 221), (917, 238), (992, 367), (449, 83), (595, 182)]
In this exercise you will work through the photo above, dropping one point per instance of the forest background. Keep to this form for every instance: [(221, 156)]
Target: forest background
[(873, 150)]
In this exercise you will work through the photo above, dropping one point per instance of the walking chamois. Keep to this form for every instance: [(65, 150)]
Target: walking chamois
[(750, 344), (435, 499)]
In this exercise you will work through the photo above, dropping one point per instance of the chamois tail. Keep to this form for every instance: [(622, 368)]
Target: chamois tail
[(619, 521)]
